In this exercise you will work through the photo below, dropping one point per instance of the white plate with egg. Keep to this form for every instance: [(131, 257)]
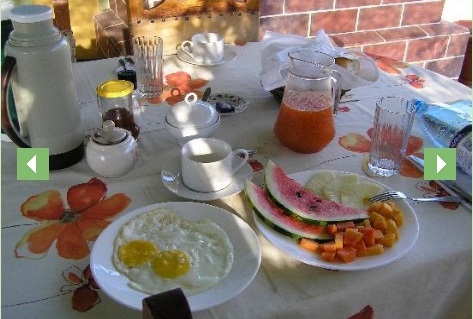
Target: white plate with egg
[(246, 256), (350, 188)]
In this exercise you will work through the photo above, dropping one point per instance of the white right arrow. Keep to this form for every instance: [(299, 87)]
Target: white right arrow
[(440, 164), (32, 163)]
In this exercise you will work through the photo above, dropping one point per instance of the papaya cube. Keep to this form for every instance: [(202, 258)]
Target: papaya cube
[(375, 216), (351, 237), (328, 255), (339, 240), (380, 224), (392, 228), (368, 236), (386, 210), (341, 227), (332, 229), (390, 203), (378, 236), (309, 245), (360, 249), (398, 217), (376, 249), (329, 246), (367, 223), (375, 207), (346, 254), (388, 240)]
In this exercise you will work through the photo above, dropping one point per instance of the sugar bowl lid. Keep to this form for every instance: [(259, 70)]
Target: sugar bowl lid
[(109, 134), (192, 113)]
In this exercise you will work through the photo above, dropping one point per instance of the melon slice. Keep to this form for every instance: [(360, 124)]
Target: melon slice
[(358, 195), (302, 203), (319, 180), (332, 189), (275, 217)]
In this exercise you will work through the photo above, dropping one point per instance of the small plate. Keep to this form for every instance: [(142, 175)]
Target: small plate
[(237, 103), (246, 262), (228, 55), (171, 178), (407, 237)]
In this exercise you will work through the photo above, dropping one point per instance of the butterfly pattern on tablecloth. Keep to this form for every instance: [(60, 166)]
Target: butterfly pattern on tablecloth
[(177, 85), (83, 287), (395, 67), (433, 189), (89, 211)]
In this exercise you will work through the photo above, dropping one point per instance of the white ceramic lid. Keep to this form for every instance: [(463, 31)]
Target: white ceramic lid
[(109, 134), (192, 113), (31, 13)]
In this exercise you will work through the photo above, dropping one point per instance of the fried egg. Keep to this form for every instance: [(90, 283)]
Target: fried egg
[(159, 251)]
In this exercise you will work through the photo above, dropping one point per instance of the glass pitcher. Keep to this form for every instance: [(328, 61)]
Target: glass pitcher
[(305, 122)]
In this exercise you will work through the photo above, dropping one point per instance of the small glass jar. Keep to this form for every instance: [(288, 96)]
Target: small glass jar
[(116, 104)]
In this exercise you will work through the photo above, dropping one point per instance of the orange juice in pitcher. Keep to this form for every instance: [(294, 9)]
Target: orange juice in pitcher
[(305, 122)]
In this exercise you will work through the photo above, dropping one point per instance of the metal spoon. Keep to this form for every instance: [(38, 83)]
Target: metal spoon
[(206, 94)]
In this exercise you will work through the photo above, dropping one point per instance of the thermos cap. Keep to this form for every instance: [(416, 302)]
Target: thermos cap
[(31, 13)]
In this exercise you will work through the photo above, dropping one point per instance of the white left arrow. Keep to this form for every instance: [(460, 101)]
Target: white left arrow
[(32, 163)]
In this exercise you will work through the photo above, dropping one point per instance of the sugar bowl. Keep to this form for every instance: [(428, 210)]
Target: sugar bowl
[(111, 151), (192, 118)]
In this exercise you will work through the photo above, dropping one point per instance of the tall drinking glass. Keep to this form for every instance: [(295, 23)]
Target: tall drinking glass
[(391, 130), (148, 56)]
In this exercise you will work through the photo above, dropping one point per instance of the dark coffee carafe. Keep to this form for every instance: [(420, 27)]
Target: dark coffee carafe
[(38, 67)]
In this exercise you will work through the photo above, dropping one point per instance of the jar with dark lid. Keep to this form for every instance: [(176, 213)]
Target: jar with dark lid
[(116, 104)]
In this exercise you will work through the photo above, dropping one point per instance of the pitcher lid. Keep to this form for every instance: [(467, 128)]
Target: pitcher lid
[(31, 13)]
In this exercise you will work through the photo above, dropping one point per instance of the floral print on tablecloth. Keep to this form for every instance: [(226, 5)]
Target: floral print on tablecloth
[(72, 227), (360, 143)]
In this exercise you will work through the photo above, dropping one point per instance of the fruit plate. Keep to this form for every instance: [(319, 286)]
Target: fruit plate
[(246, 262), (408, 233)]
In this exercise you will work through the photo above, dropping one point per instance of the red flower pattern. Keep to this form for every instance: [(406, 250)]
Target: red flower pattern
[(73, 228)]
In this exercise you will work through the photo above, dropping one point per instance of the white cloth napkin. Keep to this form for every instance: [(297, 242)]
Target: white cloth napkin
[(274, 59)]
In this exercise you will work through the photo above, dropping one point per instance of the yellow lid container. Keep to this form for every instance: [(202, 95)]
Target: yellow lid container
[(115, 100), (115, 89)]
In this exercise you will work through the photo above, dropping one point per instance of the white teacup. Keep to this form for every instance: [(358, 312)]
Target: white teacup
[(208, 164), (204, 48)]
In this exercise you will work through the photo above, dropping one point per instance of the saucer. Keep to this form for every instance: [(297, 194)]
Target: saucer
[(228, 55), (172, 179), (235, 103)]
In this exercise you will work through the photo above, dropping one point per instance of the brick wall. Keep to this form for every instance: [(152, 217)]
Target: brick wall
[(407, 30)]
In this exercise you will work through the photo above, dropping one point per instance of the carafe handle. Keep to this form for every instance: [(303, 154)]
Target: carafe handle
[(336, 90), (8, 67)]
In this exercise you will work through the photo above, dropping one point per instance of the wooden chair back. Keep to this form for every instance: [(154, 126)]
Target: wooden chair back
[(177, 20)]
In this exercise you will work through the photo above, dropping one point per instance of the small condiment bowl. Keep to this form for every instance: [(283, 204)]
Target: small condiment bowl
[(191, 119), (111, 151)]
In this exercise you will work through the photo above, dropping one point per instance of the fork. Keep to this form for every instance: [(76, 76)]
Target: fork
[(393, 195)]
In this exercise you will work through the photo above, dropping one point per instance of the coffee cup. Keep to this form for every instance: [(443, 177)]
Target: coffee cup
[(206, 48), (208, 164)]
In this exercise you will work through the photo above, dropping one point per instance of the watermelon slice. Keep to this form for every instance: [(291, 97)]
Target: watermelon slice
[(275, 217), (302, 203)]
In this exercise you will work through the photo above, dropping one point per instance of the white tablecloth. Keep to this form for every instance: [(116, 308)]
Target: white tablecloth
[(433, 280)]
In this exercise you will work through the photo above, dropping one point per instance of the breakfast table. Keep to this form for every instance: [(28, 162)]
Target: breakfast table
[(430, 280)]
